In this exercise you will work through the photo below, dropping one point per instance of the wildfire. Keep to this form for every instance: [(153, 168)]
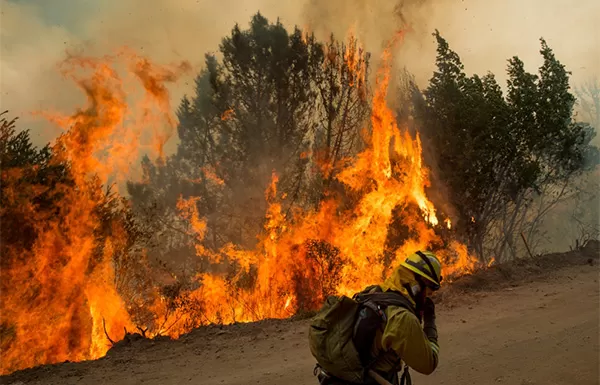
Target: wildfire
[(60, 301), (306, 33), (209, 174), (63, 303), (301, 251), (353, 58), (448, 223), (457, 260), (228, 114)]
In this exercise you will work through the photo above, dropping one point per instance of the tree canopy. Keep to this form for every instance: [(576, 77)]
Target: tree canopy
[(492, 150)]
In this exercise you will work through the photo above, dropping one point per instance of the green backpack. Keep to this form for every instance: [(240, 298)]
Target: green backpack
[(341, 334)]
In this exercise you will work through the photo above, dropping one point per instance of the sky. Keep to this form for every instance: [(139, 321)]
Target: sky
[(35, 35)]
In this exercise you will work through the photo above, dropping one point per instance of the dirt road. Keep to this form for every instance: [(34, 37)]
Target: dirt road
[(539, 332)]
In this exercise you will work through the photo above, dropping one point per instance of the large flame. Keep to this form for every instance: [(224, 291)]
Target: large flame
[(59, 301), (305, 256), (63, 303)]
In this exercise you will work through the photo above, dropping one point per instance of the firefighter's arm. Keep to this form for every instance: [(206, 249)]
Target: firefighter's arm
[(404, 335)]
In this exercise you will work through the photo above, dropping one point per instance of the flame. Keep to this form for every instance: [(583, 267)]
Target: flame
[(448, 223), (335, 249), (210, 175), (457, 261), (353, 56), (306, 33), (188, 210), (60, 300), (228, 115)]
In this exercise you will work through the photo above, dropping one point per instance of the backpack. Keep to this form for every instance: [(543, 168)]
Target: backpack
[(341, 334)]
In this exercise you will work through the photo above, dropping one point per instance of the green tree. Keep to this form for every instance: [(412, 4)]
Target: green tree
[(496, 153)]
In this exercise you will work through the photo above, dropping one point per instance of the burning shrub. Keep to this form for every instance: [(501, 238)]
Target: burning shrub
[(181, 310), (318, 274), (402, 227), (8, 335), (68, 246), (45, 268), (31, 189)]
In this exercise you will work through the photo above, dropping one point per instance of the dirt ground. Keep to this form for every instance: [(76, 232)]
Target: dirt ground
[(539, 328)]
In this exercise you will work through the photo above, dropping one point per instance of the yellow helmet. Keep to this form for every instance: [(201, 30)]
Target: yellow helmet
[(426, 265)]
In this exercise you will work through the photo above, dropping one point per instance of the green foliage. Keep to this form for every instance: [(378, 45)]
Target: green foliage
[(265, 78), (493, 150)]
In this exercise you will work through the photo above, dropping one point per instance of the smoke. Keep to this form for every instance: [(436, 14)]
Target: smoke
[(485, 33), (36, 34)]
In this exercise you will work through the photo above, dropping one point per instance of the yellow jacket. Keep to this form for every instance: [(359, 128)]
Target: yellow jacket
[(403, 337)]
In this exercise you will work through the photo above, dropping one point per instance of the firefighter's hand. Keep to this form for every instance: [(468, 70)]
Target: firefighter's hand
[(428, 310), (429, 320)]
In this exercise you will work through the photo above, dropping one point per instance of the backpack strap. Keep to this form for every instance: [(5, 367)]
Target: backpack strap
[(374, 301), (367, 290), (405, 378), (384, 299)]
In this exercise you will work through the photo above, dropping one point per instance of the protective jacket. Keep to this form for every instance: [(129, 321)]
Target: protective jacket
[(403, 337)]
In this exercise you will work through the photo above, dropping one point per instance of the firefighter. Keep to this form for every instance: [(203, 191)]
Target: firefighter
[(408, 334), (403, 336)]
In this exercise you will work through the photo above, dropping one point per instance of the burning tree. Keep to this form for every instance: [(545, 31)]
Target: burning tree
[(277, 101), (71, 265), (51, 274), (345, 236)]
